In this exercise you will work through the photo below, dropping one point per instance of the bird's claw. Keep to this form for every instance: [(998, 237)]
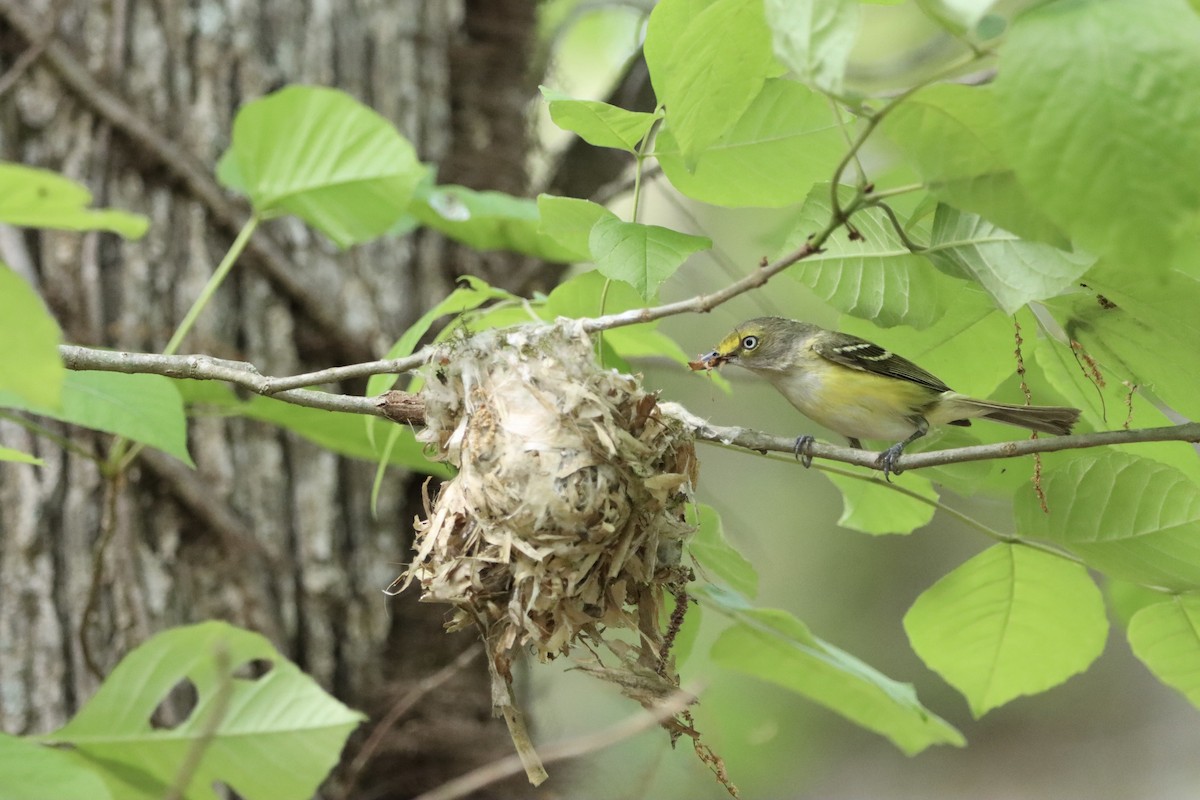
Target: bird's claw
[(803, 449), (887, 461)]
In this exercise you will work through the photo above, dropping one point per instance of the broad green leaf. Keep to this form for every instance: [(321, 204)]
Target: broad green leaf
[(569, 221), (785, 141), (950, 135), (1011, 621), (708, 76), (277, 738), (958, 16), (1142, 326), (1166, 637), (1112, 405), (641, 255), (875, 277), (471, 293), (334, 430), (1098, 111), (32, 771), (321, 155), (142, 408), (872, 506), (39, 198), (814, 39), (598, 123), (1126, 598), (1013, 270), (19, 456), (775, 646), (30, 366), (486, 220), (716, 556), (1127, 516)]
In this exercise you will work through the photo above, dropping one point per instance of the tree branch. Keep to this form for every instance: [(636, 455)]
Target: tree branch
[(763, 442), (406, 408)]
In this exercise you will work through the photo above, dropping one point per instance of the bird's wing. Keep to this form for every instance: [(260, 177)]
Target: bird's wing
[(842, 348)]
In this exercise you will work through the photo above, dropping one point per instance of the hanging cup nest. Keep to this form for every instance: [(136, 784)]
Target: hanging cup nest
[(565, 522)]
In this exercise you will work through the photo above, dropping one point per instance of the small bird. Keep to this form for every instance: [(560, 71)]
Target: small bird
[(861, 390)]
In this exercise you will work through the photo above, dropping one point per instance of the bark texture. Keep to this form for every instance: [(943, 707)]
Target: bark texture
[(270, 532)]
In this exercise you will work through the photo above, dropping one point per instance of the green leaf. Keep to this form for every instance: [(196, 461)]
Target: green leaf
[(1014, 271), (1126, 598), (814, 39), (717, 556), (1011, 621), (951, 136), (875, 277), (1127, 516), (321, 155), (32, 771), (641, 255), (709, 74), (1099, 110), (872, 506), (569, 221), (957, 16), (598, 123), (775, 646), (486, 220), (278, 737), (1166, 637), (39, 198), (1141, 326), (30, 366), (142, 408), (471, 293), (785, 141), (19, 456)]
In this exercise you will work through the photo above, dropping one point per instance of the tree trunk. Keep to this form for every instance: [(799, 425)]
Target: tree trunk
[(269, 532)]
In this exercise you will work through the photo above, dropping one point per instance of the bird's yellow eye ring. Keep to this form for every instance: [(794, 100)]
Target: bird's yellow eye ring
[(749, 342)]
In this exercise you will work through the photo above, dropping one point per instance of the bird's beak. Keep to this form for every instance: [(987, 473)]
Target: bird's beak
[(709, 361)]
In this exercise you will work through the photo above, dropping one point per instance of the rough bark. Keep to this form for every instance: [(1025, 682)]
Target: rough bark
[(270, 532)]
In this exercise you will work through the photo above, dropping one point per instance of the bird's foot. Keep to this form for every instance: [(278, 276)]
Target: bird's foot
[(803, 449), (887, 461)]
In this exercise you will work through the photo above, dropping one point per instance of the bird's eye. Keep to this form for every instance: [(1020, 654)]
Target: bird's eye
[(749, 342)]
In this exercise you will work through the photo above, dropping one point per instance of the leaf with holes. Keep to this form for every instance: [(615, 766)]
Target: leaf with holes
[(1010, 621), (32, 771), (273, 737)]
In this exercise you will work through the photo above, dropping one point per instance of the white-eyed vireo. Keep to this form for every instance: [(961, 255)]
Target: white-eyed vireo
[(861, 390)]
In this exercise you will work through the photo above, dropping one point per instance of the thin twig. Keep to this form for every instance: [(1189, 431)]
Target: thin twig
[(571, 748), (108, 529), (36, 47), (402, 706)]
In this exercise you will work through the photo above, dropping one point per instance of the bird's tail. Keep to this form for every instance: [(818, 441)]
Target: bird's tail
[(1045, 419)]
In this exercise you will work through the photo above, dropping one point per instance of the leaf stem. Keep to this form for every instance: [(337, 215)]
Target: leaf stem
[(214, 283)]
